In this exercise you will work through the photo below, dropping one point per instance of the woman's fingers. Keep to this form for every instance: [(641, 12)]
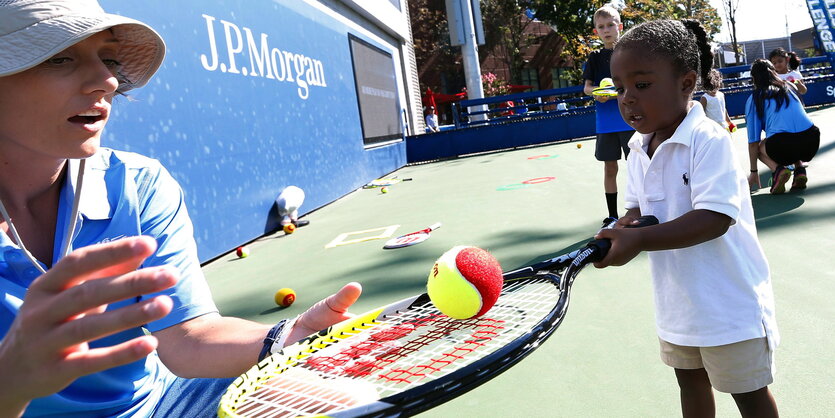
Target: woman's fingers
[(95, 261), (98, 359), (90, 296), (93, 327)]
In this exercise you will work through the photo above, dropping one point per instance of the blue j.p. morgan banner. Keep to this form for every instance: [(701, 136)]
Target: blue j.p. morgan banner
[(253, 96)]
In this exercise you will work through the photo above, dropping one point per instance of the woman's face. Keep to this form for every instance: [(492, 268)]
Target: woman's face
[(58, 109)]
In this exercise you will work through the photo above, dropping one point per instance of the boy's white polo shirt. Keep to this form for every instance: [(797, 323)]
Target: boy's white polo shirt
[(717, 292)]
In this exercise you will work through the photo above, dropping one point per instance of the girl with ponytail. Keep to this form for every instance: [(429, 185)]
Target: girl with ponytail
[(714, 304)]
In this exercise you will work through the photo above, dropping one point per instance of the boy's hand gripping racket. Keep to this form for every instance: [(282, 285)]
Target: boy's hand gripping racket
[(407, 357), (411, 238)]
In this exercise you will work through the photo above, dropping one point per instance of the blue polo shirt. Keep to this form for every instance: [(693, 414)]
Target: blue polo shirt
[(790, 119), (123, 194)]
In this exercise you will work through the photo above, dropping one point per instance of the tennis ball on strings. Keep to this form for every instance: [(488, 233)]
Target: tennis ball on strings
[(384, 190), (465, 282), (289, 229), (242, 251), (285, 297)]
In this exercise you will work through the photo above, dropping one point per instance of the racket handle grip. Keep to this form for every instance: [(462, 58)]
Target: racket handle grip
[(601, 247)]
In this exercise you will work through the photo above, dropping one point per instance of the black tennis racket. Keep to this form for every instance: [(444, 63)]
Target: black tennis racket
[(407, 357)]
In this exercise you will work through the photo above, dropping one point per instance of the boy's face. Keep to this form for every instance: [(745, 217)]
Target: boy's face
[(652, 97), (608, 29)]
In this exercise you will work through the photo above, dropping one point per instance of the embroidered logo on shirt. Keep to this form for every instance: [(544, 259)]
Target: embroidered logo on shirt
[(685, 178)]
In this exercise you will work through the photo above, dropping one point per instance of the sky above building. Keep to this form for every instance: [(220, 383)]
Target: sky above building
[(764, 19)]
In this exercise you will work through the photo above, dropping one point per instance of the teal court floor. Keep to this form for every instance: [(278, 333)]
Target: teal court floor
[(603, 360)]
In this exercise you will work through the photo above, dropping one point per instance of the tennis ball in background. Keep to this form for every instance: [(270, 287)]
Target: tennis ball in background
[(579, 145), (289, 229), (465, 282), (242, 251), (384, 190), (285, 297)]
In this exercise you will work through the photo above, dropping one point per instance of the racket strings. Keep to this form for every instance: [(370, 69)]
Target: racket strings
[(397, 352)]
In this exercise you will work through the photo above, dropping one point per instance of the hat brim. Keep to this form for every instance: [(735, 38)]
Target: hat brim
[(141, 49)]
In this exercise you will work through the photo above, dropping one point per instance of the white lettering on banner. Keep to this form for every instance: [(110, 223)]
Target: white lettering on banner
[(371, 91), (830, 91), (265, 62)]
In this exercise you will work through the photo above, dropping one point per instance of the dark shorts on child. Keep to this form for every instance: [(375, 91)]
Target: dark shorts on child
[(790, 147), (609, 145)]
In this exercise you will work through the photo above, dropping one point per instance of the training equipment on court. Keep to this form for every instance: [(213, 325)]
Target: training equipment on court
[(411, 238), (285, 297), (289, 229), (384, 189), (407, 357), (384, 182), (288, 202), (465, 282), (242, 251)]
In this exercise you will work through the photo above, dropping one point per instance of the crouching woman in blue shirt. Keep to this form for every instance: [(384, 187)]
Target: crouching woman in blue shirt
[(84, 269), (791, 137)]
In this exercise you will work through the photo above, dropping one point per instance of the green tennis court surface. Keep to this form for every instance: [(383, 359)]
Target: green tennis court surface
[(603, 360)]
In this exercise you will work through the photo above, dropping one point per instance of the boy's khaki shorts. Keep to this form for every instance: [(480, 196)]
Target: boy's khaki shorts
[(740, 367)]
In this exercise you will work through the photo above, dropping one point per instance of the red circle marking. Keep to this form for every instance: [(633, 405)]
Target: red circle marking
[(538, 156), (289, 299), (538, 180)]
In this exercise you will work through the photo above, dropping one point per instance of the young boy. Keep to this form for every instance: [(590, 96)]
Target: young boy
[(612, 132)]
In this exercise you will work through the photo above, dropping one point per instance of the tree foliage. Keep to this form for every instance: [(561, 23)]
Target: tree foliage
[(505, 23)]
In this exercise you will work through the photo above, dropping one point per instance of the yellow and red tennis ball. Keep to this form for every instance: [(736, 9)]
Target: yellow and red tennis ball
[(285, 297), (384, 190), (242, 251), (289, 229), (465, 282)]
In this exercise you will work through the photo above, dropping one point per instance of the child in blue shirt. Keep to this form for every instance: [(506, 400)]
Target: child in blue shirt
[(612, 132), (791, 137)]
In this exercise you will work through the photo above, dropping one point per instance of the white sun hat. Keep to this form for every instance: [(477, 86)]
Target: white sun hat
[(31, 31)]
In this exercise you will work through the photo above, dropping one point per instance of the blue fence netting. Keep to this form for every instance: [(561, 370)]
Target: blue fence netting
[(566, 114)]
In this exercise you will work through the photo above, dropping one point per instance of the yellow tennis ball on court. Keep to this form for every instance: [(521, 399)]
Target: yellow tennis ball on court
[(289, 229), (579, 145), (465, 282), (384, 190), (285, 297)]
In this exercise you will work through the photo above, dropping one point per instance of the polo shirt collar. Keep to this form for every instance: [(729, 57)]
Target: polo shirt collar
[(682, 135), (94, 203)]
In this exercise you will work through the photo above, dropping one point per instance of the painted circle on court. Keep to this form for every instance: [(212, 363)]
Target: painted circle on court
[(538, 180), (514, 186)]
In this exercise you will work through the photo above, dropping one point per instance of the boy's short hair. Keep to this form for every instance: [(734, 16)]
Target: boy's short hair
[(606, 11)]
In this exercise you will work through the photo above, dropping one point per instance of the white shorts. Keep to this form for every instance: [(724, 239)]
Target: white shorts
[(740, 367)]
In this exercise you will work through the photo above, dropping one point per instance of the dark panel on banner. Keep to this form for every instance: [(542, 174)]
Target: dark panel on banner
[(376, 83)]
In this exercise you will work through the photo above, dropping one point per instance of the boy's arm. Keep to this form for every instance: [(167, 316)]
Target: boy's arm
[(588, 87), (692, 228)]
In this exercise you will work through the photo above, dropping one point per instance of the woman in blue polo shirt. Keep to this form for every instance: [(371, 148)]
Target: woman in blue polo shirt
[(96, 244), (790, 136)]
